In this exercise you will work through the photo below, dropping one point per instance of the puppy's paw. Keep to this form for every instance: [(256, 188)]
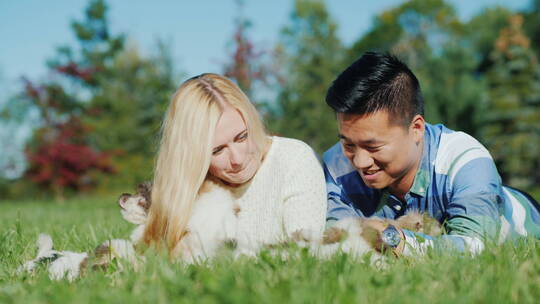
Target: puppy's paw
[(372, 229), (334, 235)]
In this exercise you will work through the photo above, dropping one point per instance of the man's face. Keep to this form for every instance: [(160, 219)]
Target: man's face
[(384, 154)]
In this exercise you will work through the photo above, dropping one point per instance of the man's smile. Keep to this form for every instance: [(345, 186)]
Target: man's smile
[(370, 175)]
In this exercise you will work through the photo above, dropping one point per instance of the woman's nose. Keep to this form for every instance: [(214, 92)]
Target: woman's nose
[(236, 156)]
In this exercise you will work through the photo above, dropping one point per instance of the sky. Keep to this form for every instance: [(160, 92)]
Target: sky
[(197, 31)]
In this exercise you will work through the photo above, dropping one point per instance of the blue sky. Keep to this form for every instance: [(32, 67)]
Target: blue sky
[(198, 31)]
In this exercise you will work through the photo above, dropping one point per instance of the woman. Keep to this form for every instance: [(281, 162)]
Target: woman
[(211, 130)]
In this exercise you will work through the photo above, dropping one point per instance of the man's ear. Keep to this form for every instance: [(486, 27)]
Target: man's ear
[(418, 127)]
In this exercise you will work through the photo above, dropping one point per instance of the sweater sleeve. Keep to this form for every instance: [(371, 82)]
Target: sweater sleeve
[(304, 192)]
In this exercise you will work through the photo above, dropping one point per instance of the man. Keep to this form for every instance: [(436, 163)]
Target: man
[(390, 161)]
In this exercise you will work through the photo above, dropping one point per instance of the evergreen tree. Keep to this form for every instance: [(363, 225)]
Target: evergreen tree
[(512, 131), (429, 37), (482, 31), (415, 30), (453, 94), (125, 114), (532, 25)]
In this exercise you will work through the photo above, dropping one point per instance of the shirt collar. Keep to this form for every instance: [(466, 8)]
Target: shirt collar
[(422, 179)]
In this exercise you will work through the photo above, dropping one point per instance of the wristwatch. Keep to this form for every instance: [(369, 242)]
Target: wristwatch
[(391, 236)]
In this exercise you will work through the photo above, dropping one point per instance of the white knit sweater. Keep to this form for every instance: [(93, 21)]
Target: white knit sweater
[(287, 194)]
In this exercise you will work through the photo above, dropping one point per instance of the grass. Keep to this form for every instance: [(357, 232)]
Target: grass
[(509, 273)]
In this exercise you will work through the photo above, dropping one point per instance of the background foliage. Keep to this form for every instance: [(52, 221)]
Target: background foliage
[(104, 100)]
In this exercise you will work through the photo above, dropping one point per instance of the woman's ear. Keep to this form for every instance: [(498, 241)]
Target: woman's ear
[(418, 127)]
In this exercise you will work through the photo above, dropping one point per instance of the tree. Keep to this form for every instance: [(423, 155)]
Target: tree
[(415, 30), (103, 101), (429, 37), (453, 93), (59, 154), (65, 160), (11, 160), (125, 114), (127, 94), (98, 48), (311, 51), (511, 128), (246, 64), (531, 25), (482, 31)]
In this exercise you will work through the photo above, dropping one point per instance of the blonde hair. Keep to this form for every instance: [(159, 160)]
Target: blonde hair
[(185, 151)]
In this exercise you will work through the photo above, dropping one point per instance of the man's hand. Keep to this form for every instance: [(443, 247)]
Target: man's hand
[(372, 231)]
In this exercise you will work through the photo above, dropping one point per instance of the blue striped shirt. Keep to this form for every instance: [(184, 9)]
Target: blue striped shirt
[(457, 183)]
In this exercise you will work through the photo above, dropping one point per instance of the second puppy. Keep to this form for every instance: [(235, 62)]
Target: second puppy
[(356, 235)]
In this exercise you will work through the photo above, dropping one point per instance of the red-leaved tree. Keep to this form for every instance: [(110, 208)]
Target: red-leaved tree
[(63, 159), (248, 63), (60, 154)]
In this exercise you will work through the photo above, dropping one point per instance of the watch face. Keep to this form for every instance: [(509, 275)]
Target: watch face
[(391, 237)]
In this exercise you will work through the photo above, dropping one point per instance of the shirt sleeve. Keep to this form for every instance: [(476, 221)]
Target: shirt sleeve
[(339, 206), (472, 213), (417, 243), (304, 194)]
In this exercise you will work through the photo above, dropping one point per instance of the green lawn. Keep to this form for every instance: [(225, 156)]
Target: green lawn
[(510, 273)]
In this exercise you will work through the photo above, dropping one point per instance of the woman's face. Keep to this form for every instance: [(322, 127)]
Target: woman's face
[(235, 158)]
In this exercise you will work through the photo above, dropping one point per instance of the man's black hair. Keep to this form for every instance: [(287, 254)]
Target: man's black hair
[(377, 82)]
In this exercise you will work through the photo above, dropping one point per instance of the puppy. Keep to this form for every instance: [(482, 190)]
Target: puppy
[(70, 265), (214, 221), (419, 222), (213, 224), (134, 209), (356, 236), (46, 254)]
